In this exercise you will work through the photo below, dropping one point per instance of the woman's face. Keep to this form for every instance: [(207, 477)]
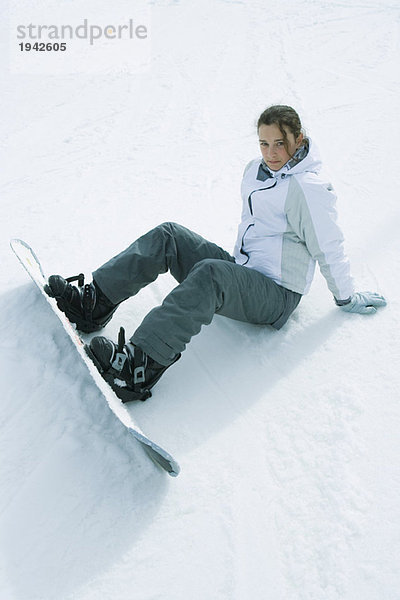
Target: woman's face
[(273, 147)]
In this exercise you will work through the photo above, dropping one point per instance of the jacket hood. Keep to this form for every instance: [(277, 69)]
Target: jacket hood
[(307, 158)]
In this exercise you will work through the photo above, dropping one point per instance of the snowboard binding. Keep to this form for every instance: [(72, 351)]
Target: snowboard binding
[(129, 371), (85, 305)]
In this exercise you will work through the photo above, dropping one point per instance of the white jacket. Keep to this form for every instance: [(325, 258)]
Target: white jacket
[(289, 222)]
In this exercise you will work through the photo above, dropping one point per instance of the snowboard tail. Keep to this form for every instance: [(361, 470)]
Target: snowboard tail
[(31, 264)]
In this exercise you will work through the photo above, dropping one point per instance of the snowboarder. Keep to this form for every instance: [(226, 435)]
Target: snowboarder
[(288, 224)]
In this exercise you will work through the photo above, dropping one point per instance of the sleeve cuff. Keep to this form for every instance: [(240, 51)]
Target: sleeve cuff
[(343, 302)]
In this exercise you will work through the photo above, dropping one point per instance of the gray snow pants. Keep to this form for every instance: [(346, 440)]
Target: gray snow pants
[(209, 282)]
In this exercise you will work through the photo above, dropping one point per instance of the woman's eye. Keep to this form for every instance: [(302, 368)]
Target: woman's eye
[(278, 144)]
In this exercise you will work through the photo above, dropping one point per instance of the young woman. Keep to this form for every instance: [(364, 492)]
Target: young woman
[(288, 224)]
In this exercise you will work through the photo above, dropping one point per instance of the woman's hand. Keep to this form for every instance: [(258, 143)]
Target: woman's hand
[(365, 303)]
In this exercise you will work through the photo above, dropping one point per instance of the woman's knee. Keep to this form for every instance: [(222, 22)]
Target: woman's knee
[(214, 268), (170, 229), (169, 226)]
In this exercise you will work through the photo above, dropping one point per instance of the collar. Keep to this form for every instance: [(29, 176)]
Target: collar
[(265, 173)]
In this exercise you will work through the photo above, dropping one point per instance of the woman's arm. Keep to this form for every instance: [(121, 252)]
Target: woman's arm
[(315, 222), (311, 213)]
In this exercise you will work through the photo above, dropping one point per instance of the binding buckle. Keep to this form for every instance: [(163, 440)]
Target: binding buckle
[(119, 361), (138, 375)]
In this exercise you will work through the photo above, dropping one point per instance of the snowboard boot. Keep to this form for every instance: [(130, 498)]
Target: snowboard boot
[(85, 305), (127, 369)]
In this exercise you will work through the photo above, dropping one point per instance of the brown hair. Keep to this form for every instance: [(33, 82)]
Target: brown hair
[(282, 116)]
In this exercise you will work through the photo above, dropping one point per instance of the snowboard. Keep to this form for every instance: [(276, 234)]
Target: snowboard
[(31, 264)]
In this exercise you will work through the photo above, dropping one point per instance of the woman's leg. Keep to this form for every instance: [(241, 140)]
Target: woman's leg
[(212, 286), (167, 247)]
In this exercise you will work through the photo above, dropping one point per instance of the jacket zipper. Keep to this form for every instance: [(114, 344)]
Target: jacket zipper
[(241, 245), (259, 190), (251, 212)]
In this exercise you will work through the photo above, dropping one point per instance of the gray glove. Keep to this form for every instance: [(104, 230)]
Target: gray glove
[(364, 303)]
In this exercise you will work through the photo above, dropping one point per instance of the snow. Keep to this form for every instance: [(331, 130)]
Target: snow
[(288, 441)]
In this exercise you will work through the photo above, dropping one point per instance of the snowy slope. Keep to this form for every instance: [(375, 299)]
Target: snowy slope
[(288, 441)]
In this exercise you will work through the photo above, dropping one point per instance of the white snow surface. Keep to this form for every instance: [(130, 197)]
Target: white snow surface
[(288, 440)]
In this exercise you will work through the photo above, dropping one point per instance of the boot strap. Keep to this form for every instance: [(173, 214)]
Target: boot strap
[(79, 278), (88, 295), (120, 357), (138, 356)]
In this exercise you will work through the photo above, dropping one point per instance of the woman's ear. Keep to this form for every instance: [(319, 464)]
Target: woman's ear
[(299, 140)]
